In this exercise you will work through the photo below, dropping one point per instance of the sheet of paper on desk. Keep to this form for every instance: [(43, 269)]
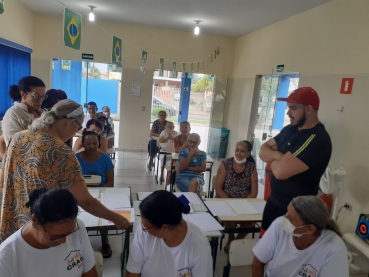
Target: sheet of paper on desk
[(242, 206), (125, 191), (95, 193), (220, 208), (143, 195), (128, 213), (88, 219), (115, 201), (259, 206), (204, 221), (192, 197)]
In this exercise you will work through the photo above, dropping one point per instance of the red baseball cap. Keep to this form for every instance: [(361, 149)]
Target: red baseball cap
[(304, 95)]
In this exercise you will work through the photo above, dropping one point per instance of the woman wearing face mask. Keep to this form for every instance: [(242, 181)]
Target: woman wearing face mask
[(95, 126), (304, 242), (53, 243), (237, 178)]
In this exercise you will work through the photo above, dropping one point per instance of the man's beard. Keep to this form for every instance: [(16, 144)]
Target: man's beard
[(302, 121)]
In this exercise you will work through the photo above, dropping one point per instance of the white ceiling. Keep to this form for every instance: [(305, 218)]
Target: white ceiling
[(231, 18)]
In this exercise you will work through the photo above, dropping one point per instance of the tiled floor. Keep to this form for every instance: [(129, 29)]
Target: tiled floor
[(130, 171)]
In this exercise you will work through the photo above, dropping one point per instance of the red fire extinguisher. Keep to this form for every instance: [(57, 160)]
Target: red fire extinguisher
[(328, 200)]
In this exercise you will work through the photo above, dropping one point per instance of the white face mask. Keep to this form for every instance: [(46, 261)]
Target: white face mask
[(241, 161), (289, 227), (106, 113)]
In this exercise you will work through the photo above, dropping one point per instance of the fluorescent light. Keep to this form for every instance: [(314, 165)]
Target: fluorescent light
[(91, 16), (197, 30)]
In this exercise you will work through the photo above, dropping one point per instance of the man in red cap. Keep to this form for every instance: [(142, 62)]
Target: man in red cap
[(299, 154)]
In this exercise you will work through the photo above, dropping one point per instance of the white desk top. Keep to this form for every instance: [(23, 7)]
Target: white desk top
[(92, 180), (243, 217), (208, 158), (138, 222), (154, 138), (93, 192), (110, 150)]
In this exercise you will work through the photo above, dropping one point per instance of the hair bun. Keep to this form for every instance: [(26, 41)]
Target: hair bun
[(34, 195)]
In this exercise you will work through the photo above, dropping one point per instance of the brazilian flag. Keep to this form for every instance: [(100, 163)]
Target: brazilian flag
[(1, 6), (72, 29), (116, 53)]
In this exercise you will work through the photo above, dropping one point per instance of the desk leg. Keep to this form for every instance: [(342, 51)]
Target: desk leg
[(162, 168), (125, 252), (214, 242), (211, 169)]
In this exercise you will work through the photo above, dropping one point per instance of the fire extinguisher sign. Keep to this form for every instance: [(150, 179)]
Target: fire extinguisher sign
[(346, 85)]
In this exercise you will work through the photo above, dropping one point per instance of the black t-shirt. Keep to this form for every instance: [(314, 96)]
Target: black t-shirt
[(313, 147)]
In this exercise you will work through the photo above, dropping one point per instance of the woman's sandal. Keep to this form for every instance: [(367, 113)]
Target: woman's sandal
[(106, 251)]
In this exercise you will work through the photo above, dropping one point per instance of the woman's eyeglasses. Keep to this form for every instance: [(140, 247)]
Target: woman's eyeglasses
[(56, 238), (79, 125), (145, 229), (38, 97)]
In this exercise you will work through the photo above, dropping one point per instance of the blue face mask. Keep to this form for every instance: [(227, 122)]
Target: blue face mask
[(289, 227)]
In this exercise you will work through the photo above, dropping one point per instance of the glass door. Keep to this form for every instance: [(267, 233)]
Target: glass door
[(271, 114), (216, 146)]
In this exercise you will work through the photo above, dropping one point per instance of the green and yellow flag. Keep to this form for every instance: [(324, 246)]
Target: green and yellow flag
[(116, 54), (1, 6), (72, 29)]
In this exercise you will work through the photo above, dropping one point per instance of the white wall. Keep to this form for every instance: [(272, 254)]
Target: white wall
[(17, 24), (324, 45)]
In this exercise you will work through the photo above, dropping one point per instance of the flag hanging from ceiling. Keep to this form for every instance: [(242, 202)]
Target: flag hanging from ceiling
[(1, 6), (143, 61), (191, 68), (161, 67), (198, 67), (183, 69), (173, 73), (72, 29), (116, 53)]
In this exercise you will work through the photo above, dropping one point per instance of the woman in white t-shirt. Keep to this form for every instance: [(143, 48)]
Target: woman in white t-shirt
[(167, 136), (54, 243), (304, 242), (165, 244)]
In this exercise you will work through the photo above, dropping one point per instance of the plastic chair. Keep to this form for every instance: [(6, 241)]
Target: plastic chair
[(240, 254), (99, 263)]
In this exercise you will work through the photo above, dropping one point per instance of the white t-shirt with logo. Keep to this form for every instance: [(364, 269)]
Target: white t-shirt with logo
[(151, 257), (71, 259), (325, 258)]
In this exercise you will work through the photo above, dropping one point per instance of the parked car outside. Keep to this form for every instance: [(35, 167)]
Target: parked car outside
[(157, 103)]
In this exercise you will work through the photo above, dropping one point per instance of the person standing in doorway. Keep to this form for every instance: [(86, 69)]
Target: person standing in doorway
[(299, 154), (91, 113)]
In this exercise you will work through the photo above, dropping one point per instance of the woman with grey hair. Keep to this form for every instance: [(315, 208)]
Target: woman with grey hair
[(237, 178), (304, 242), (39, 158)]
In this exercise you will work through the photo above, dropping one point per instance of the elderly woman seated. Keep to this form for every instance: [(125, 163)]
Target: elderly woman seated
[(94, 162), (95, 126), (53, 237), (304, 242), (192, 163), (107, 131), (237, 178), (167, 136)]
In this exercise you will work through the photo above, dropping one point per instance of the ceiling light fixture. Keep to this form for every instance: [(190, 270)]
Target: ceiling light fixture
[(196, 31), (91, 16)]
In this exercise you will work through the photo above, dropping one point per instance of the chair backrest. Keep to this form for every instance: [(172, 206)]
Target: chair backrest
[(240, 252), (98, 263), (213, 181)]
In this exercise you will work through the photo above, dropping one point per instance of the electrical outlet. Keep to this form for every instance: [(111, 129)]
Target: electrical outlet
[(348, 206)]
